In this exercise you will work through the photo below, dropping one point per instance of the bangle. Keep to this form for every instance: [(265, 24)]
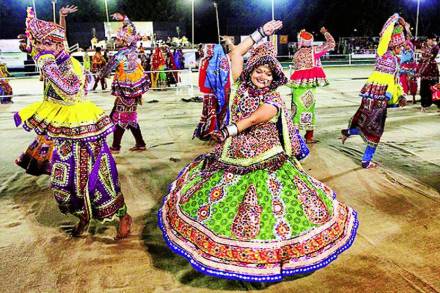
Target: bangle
[(232, 129), (257, 35)]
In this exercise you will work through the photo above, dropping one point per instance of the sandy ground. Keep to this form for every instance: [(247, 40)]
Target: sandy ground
[(397, 248)]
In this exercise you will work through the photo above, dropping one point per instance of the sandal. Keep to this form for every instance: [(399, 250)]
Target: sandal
[(114, 150), (138, 149)]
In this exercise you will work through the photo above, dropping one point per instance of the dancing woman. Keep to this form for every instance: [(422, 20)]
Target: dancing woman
[(428, 72), (408, 67), (5, 87), (37, 159), (308, 75), (248, 211), (84, 178), (381, 91), (129, 84)]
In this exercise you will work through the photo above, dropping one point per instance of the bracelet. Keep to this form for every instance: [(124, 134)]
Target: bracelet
[(232, 129), (257, 35)]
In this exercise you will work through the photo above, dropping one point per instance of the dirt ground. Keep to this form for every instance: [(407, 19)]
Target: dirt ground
[(397, 248)]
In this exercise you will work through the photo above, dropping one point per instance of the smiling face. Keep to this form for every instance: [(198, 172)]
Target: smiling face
[(262, 76)]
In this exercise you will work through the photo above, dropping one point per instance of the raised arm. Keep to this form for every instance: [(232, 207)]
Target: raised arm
[(64, 11), (237, 53), (328, 45)]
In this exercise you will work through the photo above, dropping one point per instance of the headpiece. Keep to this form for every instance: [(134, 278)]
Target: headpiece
[(392, 35), (305, 39), (265, 54), (398, 36), (40, 30)]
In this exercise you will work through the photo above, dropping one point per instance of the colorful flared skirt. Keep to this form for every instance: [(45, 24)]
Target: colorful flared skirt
[(308, 78), (37, 159), (370, 119), (303, 107), (84, 180), (257, 226), (124, 111), (5, 92)]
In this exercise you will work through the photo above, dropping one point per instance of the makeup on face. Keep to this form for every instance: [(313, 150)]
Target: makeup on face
[(262, 76)]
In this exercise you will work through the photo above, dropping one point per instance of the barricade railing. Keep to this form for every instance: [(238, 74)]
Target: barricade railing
[(185, 81)]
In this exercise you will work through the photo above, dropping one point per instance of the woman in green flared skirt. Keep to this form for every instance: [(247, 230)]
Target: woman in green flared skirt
[(248, 211)]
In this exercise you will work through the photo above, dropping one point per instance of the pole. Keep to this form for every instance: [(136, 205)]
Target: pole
[(274, 36), (53, 10), (417, 18), (273, 9), (106, 10), (35, 8), (192, 22), (218, 22)]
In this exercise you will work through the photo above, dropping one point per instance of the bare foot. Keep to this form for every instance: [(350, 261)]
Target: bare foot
[(311, 141), (124, 227), (80, 228), (344, 135), (343, 138)]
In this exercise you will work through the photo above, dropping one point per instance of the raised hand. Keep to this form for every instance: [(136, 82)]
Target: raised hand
[(118, 16), (66, 10), (272, 26), (323, 30)]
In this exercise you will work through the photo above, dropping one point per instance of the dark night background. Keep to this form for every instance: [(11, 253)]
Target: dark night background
[(237, 17)]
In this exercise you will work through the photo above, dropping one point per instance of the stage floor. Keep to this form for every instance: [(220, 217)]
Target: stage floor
[(397, 248)]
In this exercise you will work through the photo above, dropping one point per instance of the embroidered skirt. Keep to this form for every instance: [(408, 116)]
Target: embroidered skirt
[(36, 160), (124, 112), (85, 181), (260, 225), (370, 120)]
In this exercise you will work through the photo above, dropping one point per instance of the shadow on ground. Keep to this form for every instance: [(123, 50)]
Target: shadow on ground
[(163, 258)]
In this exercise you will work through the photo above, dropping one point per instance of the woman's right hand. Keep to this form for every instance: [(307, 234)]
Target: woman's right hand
[(66, 10), (272, 26), (218, 136)]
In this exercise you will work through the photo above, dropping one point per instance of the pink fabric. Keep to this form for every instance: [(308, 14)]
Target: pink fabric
[(320, 54), (124, 118), (409, 85), (308, 74)]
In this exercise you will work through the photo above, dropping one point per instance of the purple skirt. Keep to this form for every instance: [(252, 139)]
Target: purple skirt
[(84, 179)]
